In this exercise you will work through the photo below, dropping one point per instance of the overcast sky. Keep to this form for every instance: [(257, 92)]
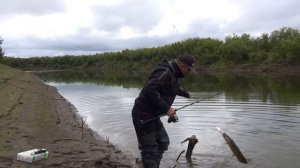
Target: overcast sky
[(60, 27)]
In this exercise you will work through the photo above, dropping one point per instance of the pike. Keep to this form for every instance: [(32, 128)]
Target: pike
[(234, 148)]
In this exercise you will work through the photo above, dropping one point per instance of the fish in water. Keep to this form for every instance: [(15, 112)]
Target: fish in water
[(235, 149)]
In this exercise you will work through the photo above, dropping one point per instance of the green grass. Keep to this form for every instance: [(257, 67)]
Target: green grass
[(7, 73)]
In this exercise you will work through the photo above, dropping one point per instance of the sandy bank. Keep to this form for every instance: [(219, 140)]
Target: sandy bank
[(35, 115)]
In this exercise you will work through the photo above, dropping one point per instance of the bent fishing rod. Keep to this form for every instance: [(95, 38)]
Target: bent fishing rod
[(174, 118)]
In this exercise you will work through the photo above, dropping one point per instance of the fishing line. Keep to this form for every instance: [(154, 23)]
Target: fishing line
[(174, 118)]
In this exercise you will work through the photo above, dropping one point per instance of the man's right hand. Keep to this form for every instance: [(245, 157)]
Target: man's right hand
[(171, 111)]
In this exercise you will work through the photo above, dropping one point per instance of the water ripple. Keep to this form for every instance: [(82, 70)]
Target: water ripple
[(265, 132)]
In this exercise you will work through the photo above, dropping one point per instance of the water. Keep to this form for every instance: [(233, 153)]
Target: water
[(261, 113)]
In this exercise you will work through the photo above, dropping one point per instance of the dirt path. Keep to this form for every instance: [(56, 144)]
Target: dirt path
[(34, 115)]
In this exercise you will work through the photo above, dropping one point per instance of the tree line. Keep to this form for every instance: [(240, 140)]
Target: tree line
[(278, 89), (1, 51), (279, 47)]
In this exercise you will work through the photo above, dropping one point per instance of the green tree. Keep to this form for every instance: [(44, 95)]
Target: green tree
[(207, 50), (285, 46), (1, 51), (236, 48), (279, 47)]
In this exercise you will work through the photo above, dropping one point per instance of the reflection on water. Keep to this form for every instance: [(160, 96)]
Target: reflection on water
[(260, 112)]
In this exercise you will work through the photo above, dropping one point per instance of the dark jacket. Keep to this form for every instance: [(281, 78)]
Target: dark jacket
[(160, 90)]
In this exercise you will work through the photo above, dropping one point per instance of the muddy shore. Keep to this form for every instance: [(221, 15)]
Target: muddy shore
[(34, 115)]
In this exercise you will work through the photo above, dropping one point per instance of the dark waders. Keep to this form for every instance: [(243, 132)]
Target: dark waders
[(152, 138)]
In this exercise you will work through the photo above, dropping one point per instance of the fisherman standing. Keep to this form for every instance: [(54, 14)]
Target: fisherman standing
[(156, 98)]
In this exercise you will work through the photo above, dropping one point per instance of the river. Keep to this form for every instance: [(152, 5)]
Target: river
[(260, 112)]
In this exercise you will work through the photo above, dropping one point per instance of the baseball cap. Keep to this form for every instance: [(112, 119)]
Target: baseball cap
[(187, 59)]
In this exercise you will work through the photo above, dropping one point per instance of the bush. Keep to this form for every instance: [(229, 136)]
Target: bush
[(259, 57), (1, 51)]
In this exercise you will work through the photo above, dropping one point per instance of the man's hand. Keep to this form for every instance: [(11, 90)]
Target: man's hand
[(184, 93), (171, 111), (188, 95)]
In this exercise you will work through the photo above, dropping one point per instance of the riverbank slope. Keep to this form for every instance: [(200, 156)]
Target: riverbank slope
[(35, 115)]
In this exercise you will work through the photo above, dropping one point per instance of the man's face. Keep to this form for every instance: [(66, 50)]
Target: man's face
[(185, 69)]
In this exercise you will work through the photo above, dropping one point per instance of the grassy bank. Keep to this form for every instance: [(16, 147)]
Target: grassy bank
[(7, 72)]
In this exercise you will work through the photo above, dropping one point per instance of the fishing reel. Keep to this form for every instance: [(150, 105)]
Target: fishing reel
[(173, 119)]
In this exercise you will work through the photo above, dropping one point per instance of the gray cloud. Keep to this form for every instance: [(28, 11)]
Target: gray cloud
[(142, 16), (266, 16), (205, 28), (139, 15), (30, 46), (33, 7)]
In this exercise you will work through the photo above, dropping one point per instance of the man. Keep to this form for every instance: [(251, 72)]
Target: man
[(156, 99)]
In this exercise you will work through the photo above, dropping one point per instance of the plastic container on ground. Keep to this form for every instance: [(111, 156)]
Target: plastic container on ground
[(32, 155)]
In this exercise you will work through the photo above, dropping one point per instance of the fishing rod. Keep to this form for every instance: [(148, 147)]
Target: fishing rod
[(174, 118)]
